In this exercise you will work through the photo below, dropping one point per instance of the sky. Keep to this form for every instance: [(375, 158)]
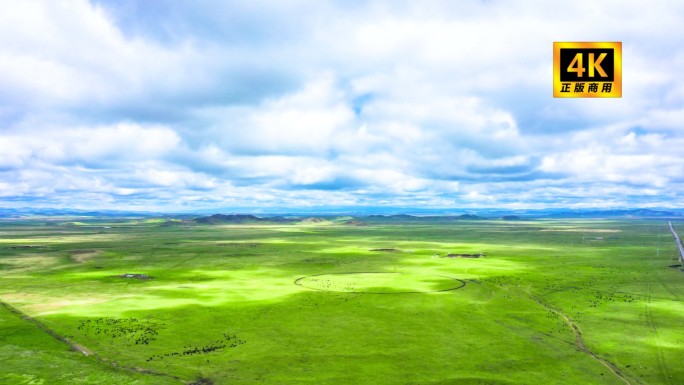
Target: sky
[(175, 105)]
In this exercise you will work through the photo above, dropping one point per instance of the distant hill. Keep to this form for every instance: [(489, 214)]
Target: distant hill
[(394, 217), (469, 217), (218, 219), (625, 213), (402, 216), (424, 218), (512, 218), (376, 215)]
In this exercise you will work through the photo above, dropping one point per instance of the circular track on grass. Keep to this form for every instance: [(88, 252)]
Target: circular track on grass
[(371, 282)]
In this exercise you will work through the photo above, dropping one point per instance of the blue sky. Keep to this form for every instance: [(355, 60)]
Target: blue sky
[(170, 105)]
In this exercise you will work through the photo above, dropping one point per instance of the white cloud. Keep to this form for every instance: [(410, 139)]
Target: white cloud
[(442, 103), (305, 122), (159, 176), (118, 143), (69, 54)]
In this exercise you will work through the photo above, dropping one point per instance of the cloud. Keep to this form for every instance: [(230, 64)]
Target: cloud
[(169, 105), (88, 146), (62, 54)]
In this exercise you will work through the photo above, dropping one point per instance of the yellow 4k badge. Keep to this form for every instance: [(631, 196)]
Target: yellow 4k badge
[(587, 70)]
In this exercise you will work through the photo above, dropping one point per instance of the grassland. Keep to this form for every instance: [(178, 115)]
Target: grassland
[(550, 302)]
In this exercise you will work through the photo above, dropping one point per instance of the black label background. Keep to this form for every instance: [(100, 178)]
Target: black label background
[(567, 55)]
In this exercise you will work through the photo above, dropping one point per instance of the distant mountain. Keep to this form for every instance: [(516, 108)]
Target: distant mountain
[(469, 217), (394, 217), (218, 219), (423, 218), (372, 214), (280, 219), (618, 213), (402, 216)]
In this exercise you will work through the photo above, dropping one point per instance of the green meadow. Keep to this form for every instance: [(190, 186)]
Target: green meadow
[(341, 302)]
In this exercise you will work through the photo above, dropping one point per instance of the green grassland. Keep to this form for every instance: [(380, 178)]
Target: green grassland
[(332, 302)]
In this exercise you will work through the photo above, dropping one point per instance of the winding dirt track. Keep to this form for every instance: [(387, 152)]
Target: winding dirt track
[(80, 348), (579, 341)]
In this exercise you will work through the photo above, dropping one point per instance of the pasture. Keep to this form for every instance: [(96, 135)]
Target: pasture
[(431, 302)]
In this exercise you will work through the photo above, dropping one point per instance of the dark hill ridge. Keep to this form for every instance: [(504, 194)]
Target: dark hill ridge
[(469, 217), (391, 217), (402, 216), (231, 218), (512, 218), (218, 219)]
